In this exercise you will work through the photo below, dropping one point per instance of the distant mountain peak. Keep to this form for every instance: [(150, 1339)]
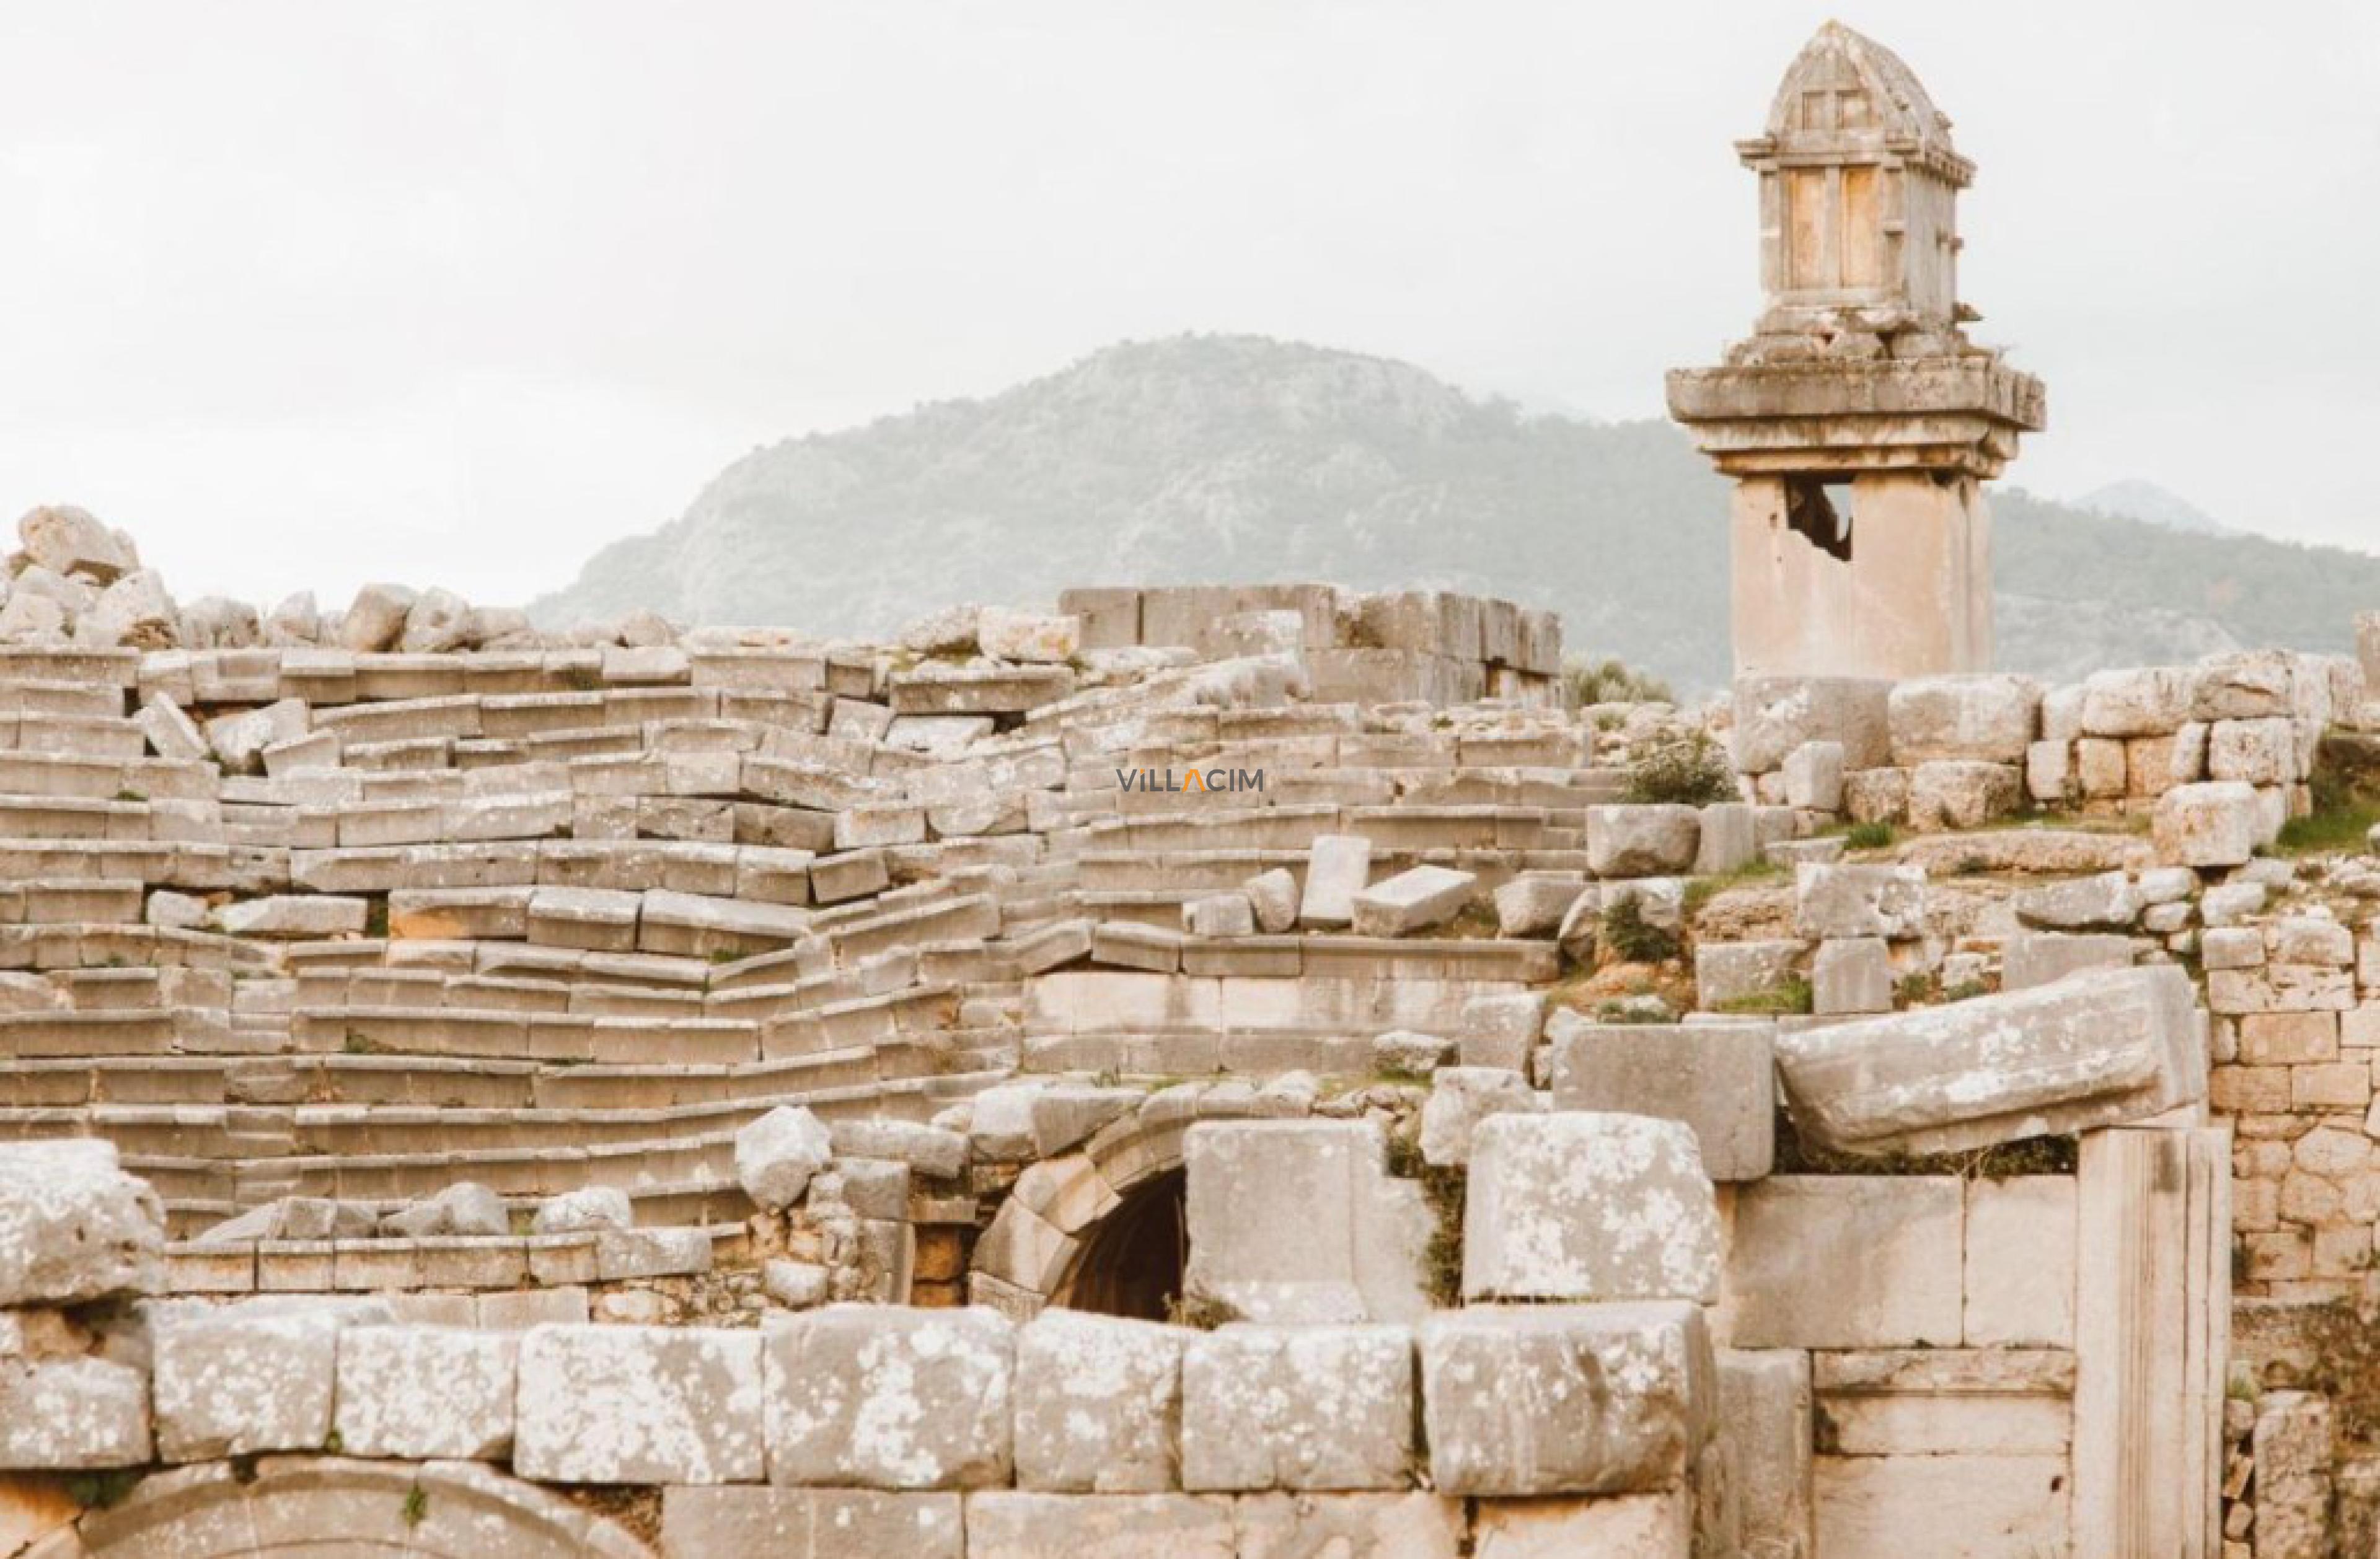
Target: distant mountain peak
[(2136, 499)]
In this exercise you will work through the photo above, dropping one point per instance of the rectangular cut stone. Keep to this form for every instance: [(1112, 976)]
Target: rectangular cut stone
[(1004, 1524), (2094, 1049), (2000, 1507), (1861, 898), (1412, 1526), (1098, 1404), (425, 1391), (1352, 1252), (1297, 1408), (1764, 1422), (886, 1397), (1413, 900), (1586, 1205), (1845, 1261), (1718, 1079), (1559, 1399), (62, 1415), (256, 1375), (726, 1522), (640, 1405), (1338, 867), (1627, 1526), (1776, 714), (2151, 1340), (1947, 1401), (2020, 1261)]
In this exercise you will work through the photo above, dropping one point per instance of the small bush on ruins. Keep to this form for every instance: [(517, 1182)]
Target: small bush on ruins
[(1631, 938), (1592, 681), (1688, 770), (2346, 809), (1793, 997), (1869, 836)]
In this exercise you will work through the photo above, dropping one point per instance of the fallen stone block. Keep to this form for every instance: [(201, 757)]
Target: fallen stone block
[(1272, 898), (640, 1405), (1534, 905), (463, 1208), (584, 1211), (1581, 1205), (884, 1397), (1219, 914), (255, 1375), (2108, 899), (1028, 636), (1812, 775), (777, 1154), (1638, 841), (2218, 823), (2095, 1049), (65, 539), (1716, 1079), (1297, 1408), (1337, 868), (74, 1226), (425, 1391), (1501, 1030), (1098, 1404), (1413, 900), (1352, 1253), (293, 917), (1859, 900), (1559, 1399), (1732, 974), (1776, 714), (929, 1150)]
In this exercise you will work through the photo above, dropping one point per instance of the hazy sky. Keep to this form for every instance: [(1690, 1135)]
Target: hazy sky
[(310, 293)]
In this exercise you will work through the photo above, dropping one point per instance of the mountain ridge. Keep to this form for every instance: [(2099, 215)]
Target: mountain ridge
[(1232, 458)]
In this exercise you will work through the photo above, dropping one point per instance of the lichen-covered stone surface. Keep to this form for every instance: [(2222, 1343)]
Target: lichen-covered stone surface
[(1583, 1206), (73, 1226), (1098, 1404), (891, 1398), (640, 1405), (1297, 1408)]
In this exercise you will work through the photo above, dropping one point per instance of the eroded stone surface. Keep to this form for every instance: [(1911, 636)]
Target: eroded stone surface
[(73, 1226), (1098, 1404), (1297, 1408), (640, 1405), (1589, 1207), (891, 1398)]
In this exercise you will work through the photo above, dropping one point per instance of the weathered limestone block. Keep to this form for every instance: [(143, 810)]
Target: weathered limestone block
[(1776, 714), (1717, 1079), (65, 539), (2108, 899), (1623, 1527), (2020, 1261), (1352, 1253), (1539, 1400), (2094, 1049), (1728, 972), (640, 1405), (375, 619), (1337, 868), (463, 1208), (437, 622), (932, 1152), (1845, 1261), (1272, 898), (1297, 1408), (728, 1521), (1411, 1526), (1988, 719), (1501, 1030), (74, 1226), (1953, 794), (777, 1154), (1814, 776), (2218, 823), (425, 1391), (2150, 702), (1219, 914), (1029, 636), (2293, 1450), (1852, 976), (1098, 1404), (1859, 900), (884, 1397), (1003, 1524), (293, 917), (255, 1375), (583, 1211), (1460, 1098), (1765, 1421), (1414, 900), (1589, 1207), (1635, 842), (2000, 1506), (2257, 752), (61, 1414)]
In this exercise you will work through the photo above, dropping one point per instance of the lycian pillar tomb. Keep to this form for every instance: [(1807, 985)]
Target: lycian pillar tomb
[(1858, 421)]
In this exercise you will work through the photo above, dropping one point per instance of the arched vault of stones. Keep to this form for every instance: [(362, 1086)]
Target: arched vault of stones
[(291, 1504), (1035, 1241)]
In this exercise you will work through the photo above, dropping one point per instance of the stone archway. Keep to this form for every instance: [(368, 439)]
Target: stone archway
[(293, 1507), (1034, 1252)]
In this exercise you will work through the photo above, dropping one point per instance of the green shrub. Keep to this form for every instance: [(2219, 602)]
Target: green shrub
[(1869, 836), (1611, 682), (1634, 940), (1689, 770)]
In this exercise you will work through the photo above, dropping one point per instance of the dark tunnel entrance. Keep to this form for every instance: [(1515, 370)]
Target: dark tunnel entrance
[(1132, 1264)]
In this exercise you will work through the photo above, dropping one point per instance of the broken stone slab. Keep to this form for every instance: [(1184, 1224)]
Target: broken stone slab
[(2094, 1049), (1584, 1205), (1852, 976), (1814, 776), (2108, 899), (74, 1226), (617, 1404), (931, 1150), (1729, 973), (883, 1397), (1460, 1098), (1352, 1253), (296, 1217), (1338, 867), (1407, 1053), (777, 1154), (65, 539), (2214, 823), (1566, 1400), (463, 1208), (1098, 1404), (1297, 1408), (1716, 1079), (1272, 898), (308, 917), (170, 733), (1776, 714), (375, 619), (425, 1391), (1501, 1030), (254, 1375), (1412, 900), (1989, 717), (1219, 914), (1535, 905), (588, 1210), (1859, 900), (1642, 841), (1035, 638)]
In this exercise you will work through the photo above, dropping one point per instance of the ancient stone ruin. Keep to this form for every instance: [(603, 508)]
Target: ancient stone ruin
[(1206, 1071)]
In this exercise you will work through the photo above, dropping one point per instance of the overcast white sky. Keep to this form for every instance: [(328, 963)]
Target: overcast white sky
[(309, 293)]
